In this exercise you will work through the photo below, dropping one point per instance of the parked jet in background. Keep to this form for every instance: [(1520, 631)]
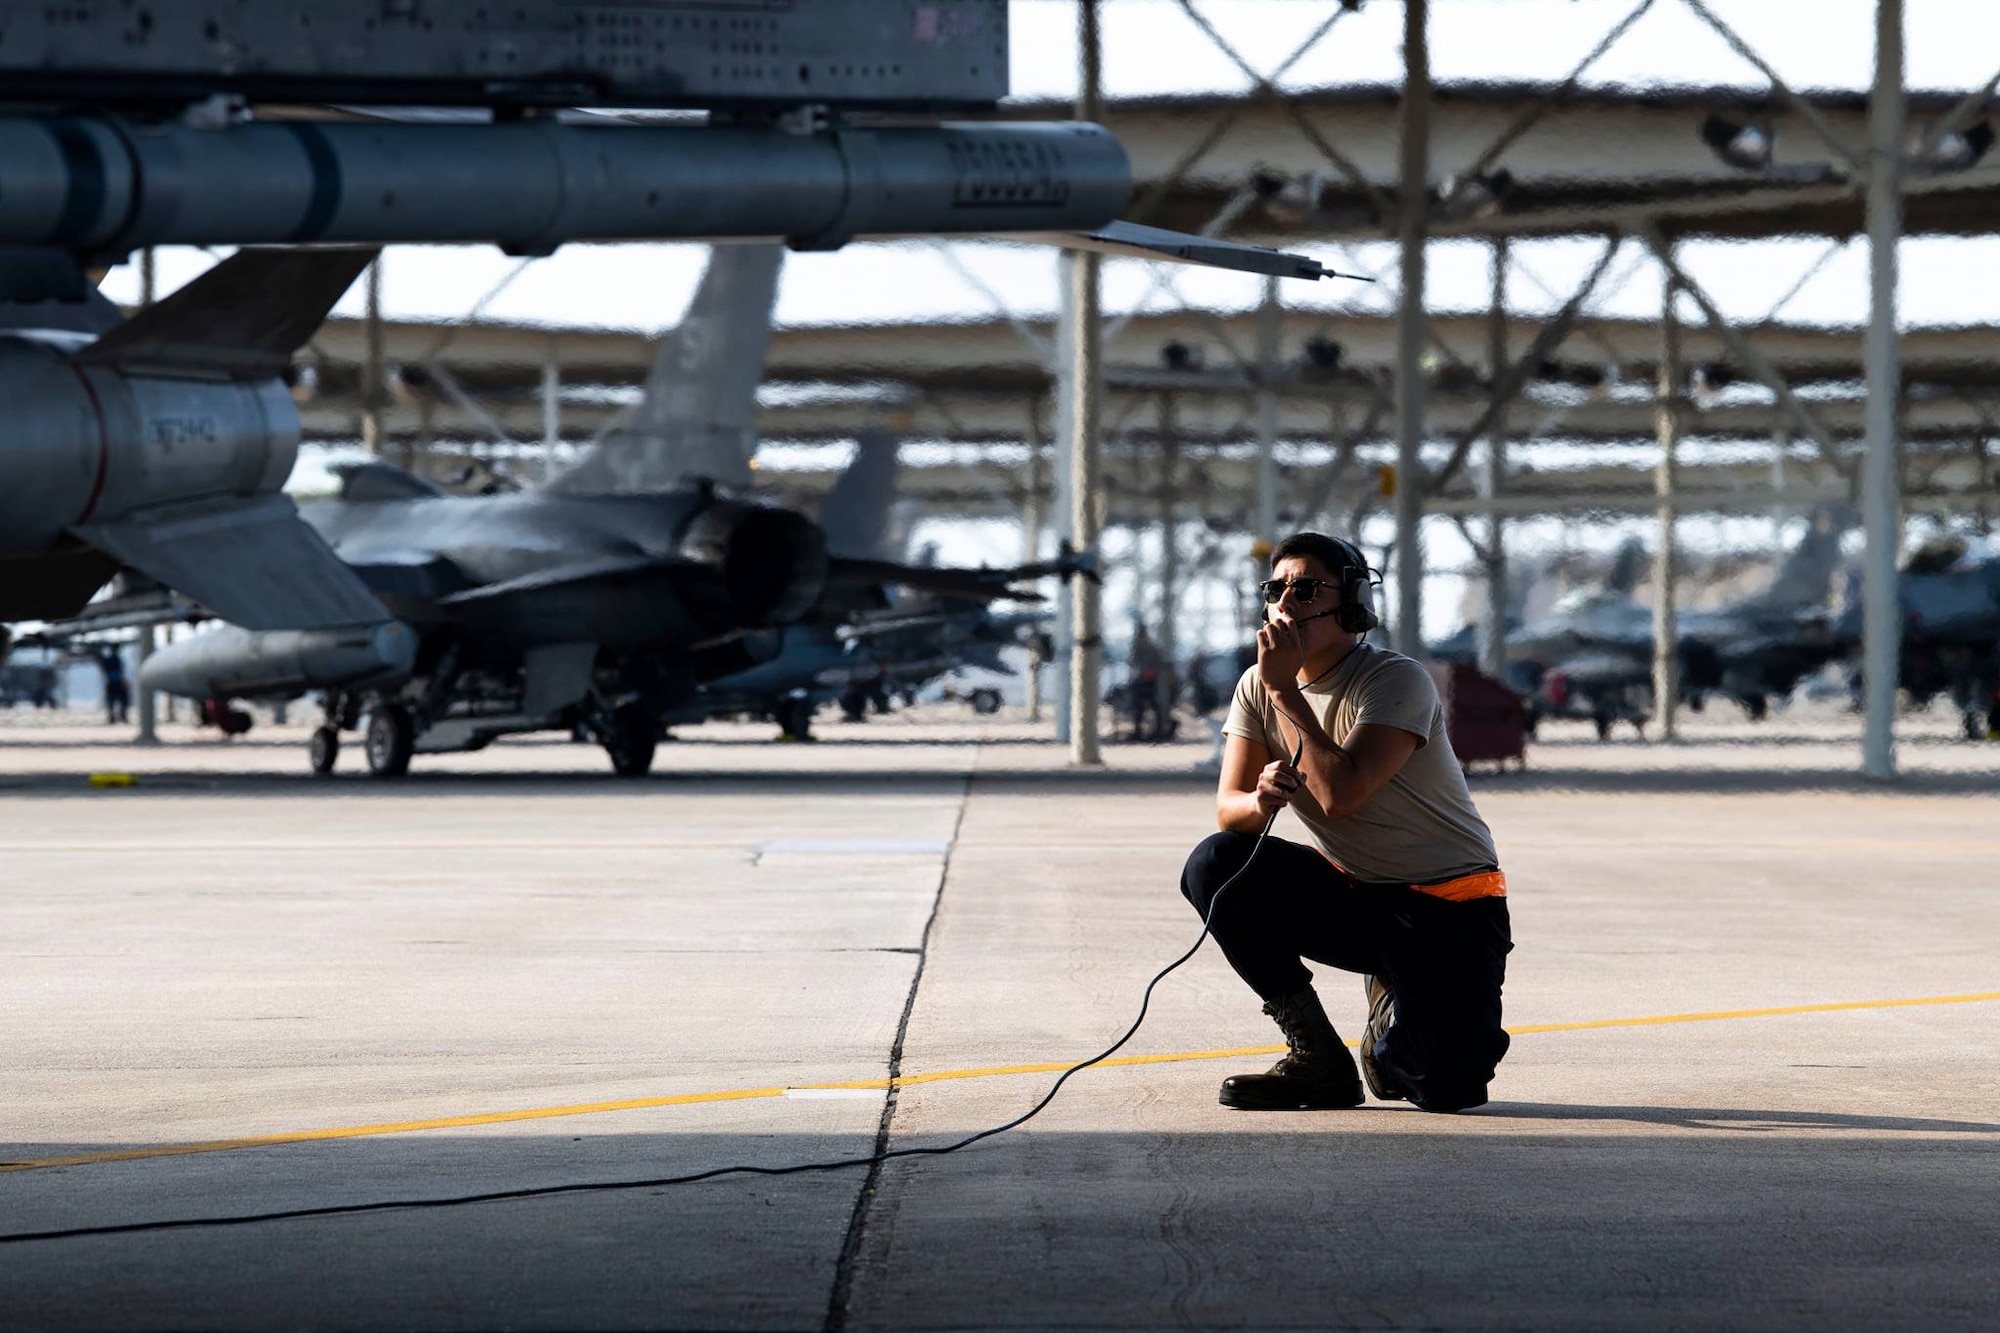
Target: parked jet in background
[(523, 612), (598, 602), (865, 641), (695, 419), (1592, 655), (1951, 632)]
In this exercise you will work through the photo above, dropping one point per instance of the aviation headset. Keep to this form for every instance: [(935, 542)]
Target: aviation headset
[(1356, 612)]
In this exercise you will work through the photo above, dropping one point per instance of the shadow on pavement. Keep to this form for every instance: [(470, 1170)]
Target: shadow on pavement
[(1738, 1119), (1377, 1218)]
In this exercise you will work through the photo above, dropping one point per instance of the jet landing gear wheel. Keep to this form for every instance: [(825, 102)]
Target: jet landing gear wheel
[(634, 737), (794, 718), (325, 750), (392, 739)]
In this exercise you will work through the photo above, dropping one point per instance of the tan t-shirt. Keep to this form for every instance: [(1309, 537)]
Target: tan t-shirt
[(1421, 827)]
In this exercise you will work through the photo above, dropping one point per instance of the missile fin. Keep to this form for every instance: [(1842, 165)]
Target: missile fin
[(253, 562), (1132, 240), (243, 318)]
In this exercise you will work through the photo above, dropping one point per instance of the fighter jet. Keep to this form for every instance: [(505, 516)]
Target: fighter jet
[(160, 442), (865, 641), (1950, 602), (542, 609), (1594, 651), (595, 603)]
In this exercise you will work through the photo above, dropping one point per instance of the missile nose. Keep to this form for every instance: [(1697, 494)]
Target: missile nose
[(171, 668)]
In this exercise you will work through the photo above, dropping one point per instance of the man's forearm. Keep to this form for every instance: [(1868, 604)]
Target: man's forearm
[(1322, 763), (1239, 812)]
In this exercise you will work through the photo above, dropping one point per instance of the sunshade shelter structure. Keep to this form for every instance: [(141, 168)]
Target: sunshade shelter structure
[(1270, 416)]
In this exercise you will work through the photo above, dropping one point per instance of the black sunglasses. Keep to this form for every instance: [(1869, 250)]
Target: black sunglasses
[(1303, 590)]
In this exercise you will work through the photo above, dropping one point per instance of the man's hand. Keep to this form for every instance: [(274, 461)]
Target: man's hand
[(1275, 786), (1281, 652)]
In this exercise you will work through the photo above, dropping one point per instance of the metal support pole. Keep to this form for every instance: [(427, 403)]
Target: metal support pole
[(1881, 507), (148, 725), (1170, 562), (1033, 507), (1270, 335), (1087, 346), (1667, 422), (371, 365), (149, 292), (1493, 630), (1411, 228), (551, 411), (1065, 418), (1086, 645)]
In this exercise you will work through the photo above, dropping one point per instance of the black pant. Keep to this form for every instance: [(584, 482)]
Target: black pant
[(1444, 961)]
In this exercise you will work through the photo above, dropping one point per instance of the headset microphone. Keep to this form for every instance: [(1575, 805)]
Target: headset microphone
[(1300, 620)]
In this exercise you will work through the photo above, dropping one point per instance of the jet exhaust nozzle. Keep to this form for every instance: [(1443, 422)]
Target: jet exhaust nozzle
[(769, 565), (232, 662)]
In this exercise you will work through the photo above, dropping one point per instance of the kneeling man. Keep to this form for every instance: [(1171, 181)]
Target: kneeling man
[(1402, 884)]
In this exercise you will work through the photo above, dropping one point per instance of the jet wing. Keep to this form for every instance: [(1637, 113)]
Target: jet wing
[(419, 576), (983, 585), (986, 585), (253, 562), (161, 606), (626, 598), (611, 569)]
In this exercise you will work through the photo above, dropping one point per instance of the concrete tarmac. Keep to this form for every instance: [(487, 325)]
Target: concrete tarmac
[(1755, 1081)]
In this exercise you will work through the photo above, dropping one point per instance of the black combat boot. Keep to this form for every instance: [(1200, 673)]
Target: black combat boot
[(1317, 1072), (1381, 1016)]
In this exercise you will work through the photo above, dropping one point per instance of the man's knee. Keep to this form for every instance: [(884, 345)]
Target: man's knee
[(1211, 864), (1443, 1066)]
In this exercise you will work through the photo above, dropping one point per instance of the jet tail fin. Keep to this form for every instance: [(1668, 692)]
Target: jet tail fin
[(855, 513), (243, 318), (253, 562), (1627, 566), (1806, 576), (696, 415)]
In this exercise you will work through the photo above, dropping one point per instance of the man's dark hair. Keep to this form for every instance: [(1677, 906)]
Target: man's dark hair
[(1331, 552), (1345, 561)]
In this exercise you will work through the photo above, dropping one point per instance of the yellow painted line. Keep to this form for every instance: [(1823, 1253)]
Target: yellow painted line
[(908, 1080), (1716, 1015)]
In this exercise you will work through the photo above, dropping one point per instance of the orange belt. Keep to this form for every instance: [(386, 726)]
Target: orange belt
[(1484, 884), (1479, 884)]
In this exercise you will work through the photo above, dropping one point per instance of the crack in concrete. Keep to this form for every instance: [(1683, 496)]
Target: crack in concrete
[(842, 1294)]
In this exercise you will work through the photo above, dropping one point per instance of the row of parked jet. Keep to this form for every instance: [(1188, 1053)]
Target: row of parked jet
[(1591, 655), (647, 584), (644, 585)]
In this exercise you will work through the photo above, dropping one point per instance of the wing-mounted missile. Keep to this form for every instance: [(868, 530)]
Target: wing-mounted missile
[(532, 186), (163, 445), (233, 663)]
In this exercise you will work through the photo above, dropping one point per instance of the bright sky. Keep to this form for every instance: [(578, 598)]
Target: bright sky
[(1152, 46)]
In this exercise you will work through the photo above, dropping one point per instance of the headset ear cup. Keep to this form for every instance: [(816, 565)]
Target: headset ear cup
[(1357, 609)]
